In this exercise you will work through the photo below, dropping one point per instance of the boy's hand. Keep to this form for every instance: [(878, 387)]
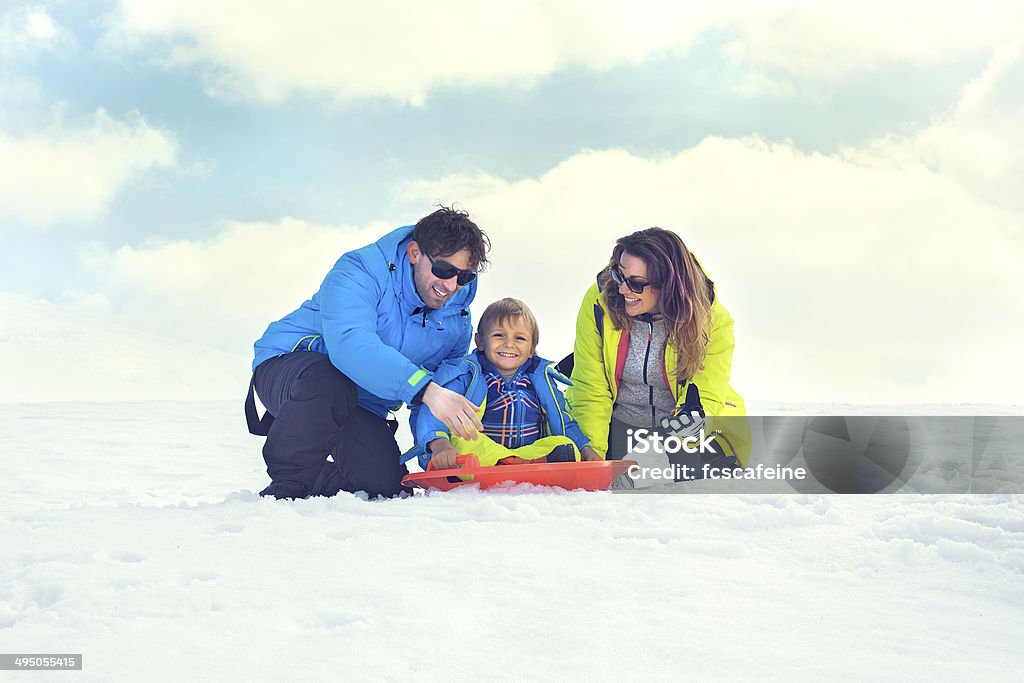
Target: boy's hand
[(587, 454), (442, 454), (454, 410)]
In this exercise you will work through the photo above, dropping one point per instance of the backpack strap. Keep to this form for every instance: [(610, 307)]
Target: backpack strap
[(565, 365)]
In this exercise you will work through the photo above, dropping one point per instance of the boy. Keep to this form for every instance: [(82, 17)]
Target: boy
[(522, 410)]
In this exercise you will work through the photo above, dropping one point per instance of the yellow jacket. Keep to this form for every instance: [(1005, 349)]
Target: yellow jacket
[(599, 356)]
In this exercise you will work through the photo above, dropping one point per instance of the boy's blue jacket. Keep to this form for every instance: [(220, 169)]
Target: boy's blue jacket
[(368, 317), (466, 377)]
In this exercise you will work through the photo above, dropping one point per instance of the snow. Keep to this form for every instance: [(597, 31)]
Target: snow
[(50, 353), (132, 534)]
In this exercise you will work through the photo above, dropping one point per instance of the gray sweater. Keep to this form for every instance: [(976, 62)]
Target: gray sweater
[(644, 397)]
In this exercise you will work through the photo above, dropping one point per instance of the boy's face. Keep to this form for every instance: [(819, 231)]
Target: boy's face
[(507, 344)]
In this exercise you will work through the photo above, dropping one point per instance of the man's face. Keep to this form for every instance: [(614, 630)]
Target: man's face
[(434, 291)]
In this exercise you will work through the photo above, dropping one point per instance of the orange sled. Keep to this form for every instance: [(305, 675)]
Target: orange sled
[(596, 475)]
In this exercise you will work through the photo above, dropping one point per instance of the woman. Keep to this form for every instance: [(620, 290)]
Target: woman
[(654, 351)]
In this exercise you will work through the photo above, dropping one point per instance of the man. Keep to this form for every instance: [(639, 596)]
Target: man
[(368, 341)]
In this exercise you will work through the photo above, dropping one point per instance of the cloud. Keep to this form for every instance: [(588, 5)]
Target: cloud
[(30, 30), (267, 51), (828, 39), (885, 273), (222, 291), (73, 172), (26, 33), (981, 145), (847, 280)]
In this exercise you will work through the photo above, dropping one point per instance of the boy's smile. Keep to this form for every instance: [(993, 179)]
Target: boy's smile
[(507, 345)]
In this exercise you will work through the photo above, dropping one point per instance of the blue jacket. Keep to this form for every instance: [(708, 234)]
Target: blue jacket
[(368, 318), (466, 377)]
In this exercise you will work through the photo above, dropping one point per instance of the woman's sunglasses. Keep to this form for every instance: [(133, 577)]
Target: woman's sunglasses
[(446, 271), (634, 285)]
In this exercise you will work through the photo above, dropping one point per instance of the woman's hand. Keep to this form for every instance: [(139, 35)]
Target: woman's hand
[(587, 454), (454, 410), (689, 419)]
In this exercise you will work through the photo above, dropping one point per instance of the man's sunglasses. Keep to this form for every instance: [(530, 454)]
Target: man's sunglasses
[(446, 271), (634, 285)]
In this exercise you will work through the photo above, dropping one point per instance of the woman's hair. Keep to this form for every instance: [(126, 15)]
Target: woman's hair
[(685, 293), (503, 309)]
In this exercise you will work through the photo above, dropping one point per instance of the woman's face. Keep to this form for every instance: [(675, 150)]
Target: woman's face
[(633, 270)]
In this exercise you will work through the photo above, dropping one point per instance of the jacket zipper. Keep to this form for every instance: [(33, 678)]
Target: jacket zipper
[(647, 358), (554, 401)]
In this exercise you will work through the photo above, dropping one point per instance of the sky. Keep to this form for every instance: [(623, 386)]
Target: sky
[(849, 175)]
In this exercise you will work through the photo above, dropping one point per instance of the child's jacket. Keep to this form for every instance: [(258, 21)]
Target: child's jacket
[(466, 376)]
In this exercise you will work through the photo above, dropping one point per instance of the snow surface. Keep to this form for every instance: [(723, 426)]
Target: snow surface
[(48, 353), (132, 534)]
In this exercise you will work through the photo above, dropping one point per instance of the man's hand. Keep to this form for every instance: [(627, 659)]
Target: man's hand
[(587, 453), (454, 410), (442, 454)]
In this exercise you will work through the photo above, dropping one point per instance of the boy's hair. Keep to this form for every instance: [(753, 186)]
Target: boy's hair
[(448, 230), (503, 309)]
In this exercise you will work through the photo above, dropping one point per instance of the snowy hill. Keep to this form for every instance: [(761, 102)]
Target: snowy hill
[(50, 354)]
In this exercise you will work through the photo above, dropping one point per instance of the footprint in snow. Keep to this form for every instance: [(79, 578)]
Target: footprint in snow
[(128, 557)]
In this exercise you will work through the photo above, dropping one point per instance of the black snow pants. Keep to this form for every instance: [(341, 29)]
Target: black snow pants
[(312, 415)]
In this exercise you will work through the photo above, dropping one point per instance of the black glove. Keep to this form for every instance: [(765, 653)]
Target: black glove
[(688, 419)]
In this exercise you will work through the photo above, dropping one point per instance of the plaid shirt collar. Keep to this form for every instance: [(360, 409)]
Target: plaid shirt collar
[(490, 371)]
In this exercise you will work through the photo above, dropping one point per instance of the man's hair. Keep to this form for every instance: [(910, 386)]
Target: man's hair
[(448, 230), (503, 309)]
